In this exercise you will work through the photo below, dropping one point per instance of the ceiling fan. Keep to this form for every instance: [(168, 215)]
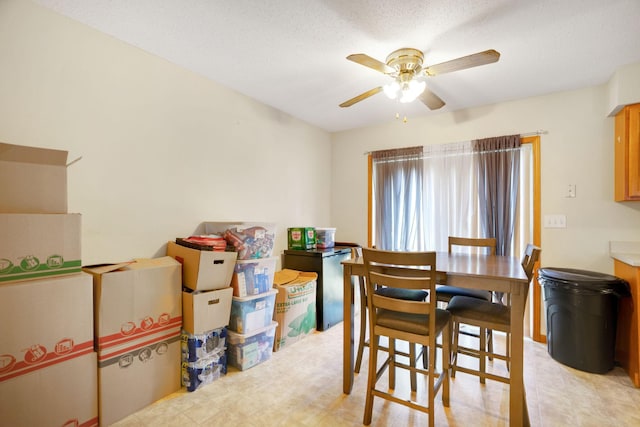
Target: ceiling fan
[(405, 67)]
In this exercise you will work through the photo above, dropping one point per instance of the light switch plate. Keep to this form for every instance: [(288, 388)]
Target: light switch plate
[(555, 221)]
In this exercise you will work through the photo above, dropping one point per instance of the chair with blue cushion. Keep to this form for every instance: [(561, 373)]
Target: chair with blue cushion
[(485, 315), (417, 322)]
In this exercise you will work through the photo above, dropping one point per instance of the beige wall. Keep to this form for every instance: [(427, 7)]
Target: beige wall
[(163, 149), (578, 149)]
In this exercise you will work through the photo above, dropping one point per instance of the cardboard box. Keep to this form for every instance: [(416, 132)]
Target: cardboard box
[(253, 276), (46, 352), (203, 270), (63, 394), (39, 245), (295, 309), (204, 311), (32, 180), (137, 373), (44, 322), (251, 239), (134, 300), (301, 238)]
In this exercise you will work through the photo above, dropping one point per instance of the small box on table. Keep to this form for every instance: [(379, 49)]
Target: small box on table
[(325, 238), (301, 238)]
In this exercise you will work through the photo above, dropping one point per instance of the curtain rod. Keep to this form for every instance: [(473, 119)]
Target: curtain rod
[(522, 135)]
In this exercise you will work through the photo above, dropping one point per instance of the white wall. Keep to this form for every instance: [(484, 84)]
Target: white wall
[(578, 149), (163, 149)]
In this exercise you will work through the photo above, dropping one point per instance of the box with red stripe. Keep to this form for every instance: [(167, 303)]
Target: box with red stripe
[(46, 352), (134, 300)]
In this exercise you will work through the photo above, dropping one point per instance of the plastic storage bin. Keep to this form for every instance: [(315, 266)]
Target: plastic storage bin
[(248, 350), (252, 313), (325, 238), (250, 239), (582, 310), (253, 277)]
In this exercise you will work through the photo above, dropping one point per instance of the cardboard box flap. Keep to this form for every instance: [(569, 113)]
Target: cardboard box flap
[(23, 154), (100, 269), (293, 277), (141, 263)]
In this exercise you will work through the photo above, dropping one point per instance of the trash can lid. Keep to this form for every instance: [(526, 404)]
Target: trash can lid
[(583, 279)]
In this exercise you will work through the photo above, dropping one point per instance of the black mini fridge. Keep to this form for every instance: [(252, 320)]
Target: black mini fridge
[(327, 263)]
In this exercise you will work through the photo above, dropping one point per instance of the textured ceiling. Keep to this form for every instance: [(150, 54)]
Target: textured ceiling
[(290, 54)]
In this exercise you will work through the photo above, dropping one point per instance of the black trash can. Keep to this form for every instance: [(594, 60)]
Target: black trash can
[(582, 310)]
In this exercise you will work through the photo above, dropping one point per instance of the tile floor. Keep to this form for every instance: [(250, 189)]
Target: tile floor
[(301, 385)]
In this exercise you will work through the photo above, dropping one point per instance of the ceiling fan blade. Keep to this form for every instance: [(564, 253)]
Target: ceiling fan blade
[(469, 61), (367, 61), (431, 100), (362, 96)]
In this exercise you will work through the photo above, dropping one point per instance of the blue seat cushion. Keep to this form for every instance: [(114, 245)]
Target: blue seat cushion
[(447, 292)]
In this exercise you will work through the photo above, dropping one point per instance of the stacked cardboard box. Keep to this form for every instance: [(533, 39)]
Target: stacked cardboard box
[(295, 309), (46, 316), (206, 302), (138, 319)]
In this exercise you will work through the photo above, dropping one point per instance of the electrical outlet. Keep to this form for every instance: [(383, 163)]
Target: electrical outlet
[(571, 191), (555, 221)]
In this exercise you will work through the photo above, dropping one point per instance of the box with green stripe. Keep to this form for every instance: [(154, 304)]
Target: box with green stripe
[(39, 245)]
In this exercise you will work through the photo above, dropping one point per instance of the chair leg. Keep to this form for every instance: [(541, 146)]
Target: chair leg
[(446, 362), (363, 334), (483, 354), (412, 363), (392, 363), (454, 349), (431, 393), (490, 343), (508, 350), (371, 379)]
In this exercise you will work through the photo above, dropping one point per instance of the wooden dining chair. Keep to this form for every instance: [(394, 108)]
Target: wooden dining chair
[(444, 293), (485, 315), (417, 322), (407, 294)]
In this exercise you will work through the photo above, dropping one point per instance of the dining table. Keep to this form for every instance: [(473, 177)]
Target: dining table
[(475, 271)]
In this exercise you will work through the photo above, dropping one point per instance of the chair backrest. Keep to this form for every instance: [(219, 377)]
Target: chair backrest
[(529, 259), (485, 242), (404, 270)]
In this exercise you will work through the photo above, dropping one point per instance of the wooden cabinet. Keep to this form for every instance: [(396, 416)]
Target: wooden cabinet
[(627, 337), (627, 154)]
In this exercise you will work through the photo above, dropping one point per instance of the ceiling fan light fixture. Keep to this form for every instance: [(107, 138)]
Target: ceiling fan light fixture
[(412, 90), (391, 89)]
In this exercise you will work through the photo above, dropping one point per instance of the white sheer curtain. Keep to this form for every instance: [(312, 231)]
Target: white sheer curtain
[(450, 195)]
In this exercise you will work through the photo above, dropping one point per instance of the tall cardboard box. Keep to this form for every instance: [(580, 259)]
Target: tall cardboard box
[(46, 352), (295, 307), (138, 318), (32, 179)]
